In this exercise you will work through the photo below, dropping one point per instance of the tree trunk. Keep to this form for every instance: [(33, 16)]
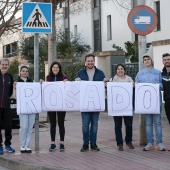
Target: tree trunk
[(52, 54), (52, 37)]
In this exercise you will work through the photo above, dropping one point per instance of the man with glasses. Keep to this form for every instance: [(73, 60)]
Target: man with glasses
[(166, 84)]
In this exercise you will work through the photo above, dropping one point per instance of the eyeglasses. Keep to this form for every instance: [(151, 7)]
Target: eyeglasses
[(166, 54)]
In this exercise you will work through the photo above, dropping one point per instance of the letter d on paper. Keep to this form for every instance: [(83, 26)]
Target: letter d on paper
[(120, 98)]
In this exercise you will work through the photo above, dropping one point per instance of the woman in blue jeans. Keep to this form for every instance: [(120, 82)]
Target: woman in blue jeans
[(128, 120), (151, 75), (26, 120)]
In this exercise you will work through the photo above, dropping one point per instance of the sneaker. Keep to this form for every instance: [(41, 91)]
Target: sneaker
[(120, 147), (22, 149), (161, 147), (27, 149), (1, 150), (85, 148), (52, 147), (130, 145), (9, 149), (61, 147), (148, 147), (94, 147)]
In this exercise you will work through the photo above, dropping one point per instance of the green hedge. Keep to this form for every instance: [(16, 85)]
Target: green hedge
[(71, 70)]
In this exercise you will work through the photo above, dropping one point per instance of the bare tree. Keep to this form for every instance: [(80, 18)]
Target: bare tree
[(8, 10)]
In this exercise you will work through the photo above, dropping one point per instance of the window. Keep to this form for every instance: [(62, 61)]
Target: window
[(97, 38), (157, 8), (109, 28), (10, 50), (66, 12), (96, 3), (75, 29)]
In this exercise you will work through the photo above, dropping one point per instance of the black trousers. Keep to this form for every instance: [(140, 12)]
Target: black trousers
[(6, 122), (61, 118), (128, 120), (167, 109)]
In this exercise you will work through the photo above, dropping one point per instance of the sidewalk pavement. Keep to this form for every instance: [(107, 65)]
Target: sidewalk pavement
[(108, 158)]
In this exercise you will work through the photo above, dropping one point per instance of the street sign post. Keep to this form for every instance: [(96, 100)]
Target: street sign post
[(142, 20), (37, 17)]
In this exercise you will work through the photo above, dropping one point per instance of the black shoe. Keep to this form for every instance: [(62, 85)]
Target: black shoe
[(94, 147), (130, 145), (84, 148), (120, 147)]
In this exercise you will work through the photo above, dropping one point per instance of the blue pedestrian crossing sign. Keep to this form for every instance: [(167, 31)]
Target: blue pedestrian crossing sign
[(37, 17)]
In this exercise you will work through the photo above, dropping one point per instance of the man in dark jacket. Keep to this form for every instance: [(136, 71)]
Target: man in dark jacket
[(6, 90), (166, 83), (90, 73)]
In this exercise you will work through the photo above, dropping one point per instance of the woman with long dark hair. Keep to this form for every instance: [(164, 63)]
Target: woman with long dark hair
[(55, 74)]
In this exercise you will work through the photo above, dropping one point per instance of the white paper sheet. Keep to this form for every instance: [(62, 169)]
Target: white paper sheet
[(92, 96), (28, 98), (72, 96), (147, 98), (119, 96)]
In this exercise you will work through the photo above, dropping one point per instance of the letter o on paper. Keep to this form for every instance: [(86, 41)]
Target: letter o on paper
[(146, 99)]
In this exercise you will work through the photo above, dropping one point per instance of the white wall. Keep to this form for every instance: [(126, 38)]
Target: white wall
[(83, 20), (120, 30), (165, 24), (157, 53)]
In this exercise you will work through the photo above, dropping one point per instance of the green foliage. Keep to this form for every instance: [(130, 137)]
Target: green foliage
[(13, 69), (71, 70), (131, 50), (117, 47), (27, 51), (70, 47)]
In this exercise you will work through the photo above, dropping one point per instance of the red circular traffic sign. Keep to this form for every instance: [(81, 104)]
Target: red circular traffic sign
[(142, 20)]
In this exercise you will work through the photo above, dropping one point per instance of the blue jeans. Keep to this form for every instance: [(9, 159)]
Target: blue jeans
[(156, 119), (26, 125), (90, 132)]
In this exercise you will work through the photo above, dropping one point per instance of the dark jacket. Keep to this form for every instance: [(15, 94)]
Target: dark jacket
[(6, 89), (28, 79), (56, 78), (166, 84), (98, 75)]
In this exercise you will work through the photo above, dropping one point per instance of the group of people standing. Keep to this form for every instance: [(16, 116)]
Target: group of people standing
[(89, 119)]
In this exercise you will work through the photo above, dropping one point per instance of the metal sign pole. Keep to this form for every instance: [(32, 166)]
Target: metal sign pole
[(36, 79), (142, 51)]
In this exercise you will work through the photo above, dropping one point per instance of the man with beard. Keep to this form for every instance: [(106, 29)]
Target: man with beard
[(166, 84), (90, 73)]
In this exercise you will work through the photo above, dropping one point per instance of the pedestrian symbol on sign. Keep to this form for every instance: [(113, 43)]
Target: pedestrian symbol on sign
[(36, 19)]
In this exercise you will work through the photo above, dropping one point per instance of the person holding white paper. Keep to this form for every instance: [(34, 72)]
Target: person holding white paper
[(152, 75), (6, 91), (55, 74), (90, 119), (128, 120), (26, 120)]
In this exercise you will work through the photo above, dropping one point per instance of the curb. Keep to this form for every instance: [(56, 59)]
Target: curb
[(20, 165)]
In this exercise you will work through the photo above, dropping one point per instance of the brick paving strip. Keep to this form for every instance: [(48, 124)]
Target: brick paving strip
[(109, 158)]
